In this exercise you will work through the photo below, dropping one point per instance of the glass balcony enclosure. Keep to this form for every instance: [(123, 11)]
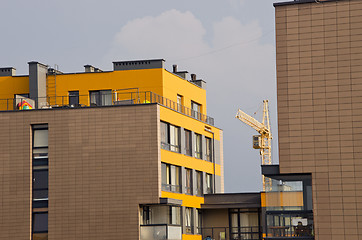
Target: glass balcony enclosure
[(160, 222), (289, 207)]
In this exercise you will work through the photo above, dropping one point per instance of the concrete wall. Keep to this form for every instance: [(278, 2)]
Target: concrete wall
[(103, 163), (319, 73)]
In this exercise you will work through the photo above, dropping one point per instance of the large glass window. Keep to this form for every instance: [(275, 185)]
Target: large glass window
[(244, 224), (209, 184), (161, 215), (289, 206), (170, 177), (189, 181), (208, 149), (199, 184), (189, 223), (198, 146), (100, 98), (170, 137), (188, 143)]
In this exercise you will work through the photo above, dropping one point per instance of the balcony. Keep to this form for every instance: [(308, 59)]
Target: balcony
[(99, 99), (160, 232), (234, 233)]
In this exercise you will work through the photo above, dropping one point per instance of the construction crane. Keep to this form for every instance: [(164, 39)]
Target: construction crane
[(263, 140)]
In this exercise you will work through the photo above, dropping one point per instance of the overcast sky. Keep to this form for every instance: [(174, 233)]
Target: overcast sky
[(228, 43)]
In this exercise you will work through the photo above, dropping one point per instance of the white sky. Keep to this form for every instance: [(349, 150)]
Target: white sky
[(230, 44)]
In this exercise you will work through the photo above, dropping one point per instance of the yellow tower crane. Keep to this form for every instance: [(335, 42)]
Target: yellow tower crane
[(262, 141)]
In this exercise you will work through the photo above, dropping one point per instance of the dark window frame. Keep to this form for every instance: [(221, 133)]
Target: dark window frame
[(98, 97), (198, 146), (199, 184), (73, 98), (166, 141), (188, 142), (189, 181), (167, 183)]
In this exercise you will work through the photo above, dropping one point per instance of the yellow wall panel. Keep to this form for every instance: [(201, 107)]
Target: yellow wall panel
[(174, 85), (187, 200), (191, 237), (189, 162)]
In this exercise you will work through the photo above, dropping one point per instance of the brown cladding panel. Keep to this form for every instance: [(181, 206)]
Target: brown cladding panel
[(318, 105), (103, 163)]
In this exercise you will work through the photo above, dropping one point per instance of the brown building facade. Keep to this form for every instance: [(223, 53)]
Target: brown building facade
[(319, 81), (97, 176)]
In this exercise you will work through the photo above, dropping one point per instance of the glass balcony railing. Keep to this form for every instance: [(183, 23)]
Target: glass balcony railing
[(114, 97), (160, 232)]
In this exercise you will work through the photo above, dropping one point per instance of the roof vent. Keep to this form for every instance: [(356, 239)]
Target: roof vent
[(90, 68), (199, 82), (138, 64), (7, 71)]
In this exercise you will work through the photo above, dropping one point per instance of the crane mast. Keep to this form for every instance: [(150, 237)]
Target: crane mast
[(263, 140)]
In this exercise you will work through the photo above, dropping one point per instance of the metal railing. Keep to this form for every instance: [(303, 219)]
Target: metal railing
[(171, 188), (115, 98), (234, 233)]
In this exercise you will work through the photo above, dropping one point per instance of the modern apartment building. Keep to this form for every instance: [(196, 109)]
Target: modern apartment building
[(122, 154), (319, 81)]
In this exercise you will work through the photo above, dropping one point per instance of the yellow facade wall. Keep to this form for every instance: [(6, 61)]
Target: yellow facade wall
[(189, 162), (144, 80), (174, 85), (9, 86)]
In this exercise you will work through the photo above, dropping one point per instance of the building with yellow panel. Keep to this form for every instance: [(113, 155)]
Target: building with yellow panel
[(122, 154)]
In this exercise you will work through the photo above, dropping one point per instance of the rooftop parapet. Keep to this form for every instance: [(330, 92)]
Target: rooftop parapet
[(138, 64)]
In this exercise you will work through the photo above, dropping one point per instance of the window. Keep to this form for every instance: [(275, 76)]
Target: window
[(170, 137), (189, 220), (188, 181), (170, 177), (244, 223), (179, 103), (40, 184), (197, 146), (209, 184), (198, 221), (73, 98), (195, 110), (188, 144), (40, 222), (40, 171), (199, 185), (100, 98), (208, 149), (161, 215)]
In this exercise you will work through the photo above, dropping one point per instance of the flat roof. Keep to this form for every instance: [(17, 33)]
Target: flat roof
[(302, 2), (232, 200)]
